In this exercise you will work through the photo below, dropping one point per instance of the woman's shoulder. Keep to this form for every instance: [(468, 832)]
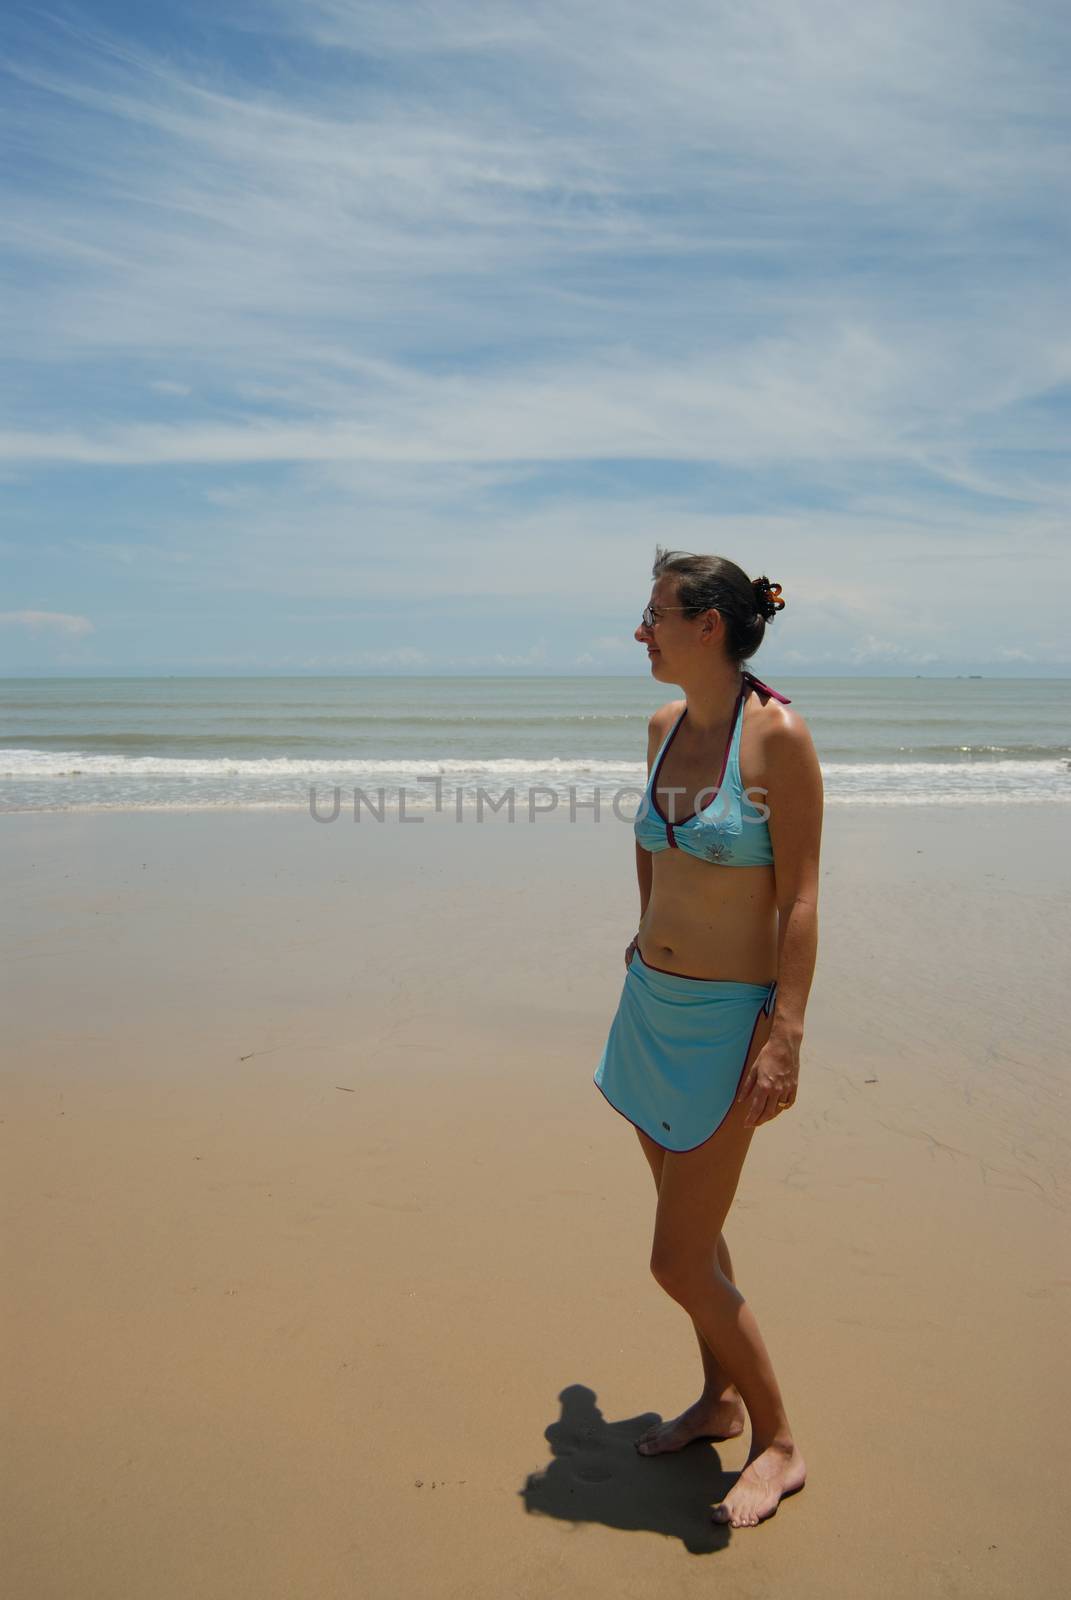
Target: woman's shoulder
[(782, 720), (782, 744), (780, 727), (772, 711), (658, 725), (660, 721)]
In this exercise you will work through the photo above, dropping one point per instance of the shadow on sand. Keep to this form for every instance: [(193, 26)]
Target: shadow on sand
[(598, 1475)]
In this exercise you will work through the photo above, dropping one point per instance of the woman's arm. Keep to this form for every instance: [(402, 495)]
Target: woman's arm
[(643, 876), (657, 728), (795, 801)]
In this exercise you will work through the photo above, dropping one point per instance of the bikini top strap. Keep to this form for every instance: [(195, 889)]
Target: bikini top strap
[(732, 762), (663, 747), (764, 688)]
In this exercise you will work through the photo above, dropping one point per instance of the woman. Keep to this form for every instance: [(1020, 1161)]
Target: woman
[(705, 1044)]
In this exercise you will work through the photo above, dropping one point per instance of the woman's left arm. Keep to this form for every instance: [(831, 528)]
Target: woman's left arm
[(794, 798)]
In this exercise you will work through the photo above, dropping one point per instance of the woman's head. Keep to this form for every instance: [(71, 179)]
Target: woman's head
[(687, 586)]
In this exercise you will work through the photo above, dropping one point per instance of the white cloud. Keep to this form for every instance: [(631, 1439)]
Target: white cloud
[(870, 649), (433, 290), (47, 622), (839, 395), (613, 644), (534, 656)]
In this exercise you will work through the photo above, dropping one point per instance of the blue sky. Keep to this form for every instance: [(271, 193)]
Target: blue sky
[(379, 337)]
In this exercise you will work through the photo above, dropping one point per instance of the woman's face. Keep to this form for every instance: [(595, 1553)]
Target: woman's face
[(672, 640)]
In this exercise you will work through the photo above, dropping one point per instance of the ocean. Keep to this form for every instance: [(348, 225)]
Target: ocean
[(182, 743)]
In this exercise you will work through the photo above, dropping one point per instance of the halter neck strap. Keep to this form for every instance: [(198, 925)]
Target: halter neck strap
[(764, 688)]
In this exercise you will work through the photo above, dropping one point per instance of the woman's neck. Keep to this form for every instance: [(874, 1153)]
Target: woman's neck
[(711, 703)]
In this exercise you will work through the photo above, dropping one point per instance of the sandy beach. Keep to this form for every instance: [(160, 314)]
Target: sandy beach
[(326, 1263)]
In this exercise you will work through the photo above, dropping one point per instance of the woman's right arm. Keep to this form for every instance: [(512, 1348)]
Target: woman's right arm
[(656, 732), (644, 874)]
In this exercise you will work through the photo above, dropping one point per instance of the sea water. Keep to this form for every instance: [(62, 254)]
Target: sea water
[(85, 743)]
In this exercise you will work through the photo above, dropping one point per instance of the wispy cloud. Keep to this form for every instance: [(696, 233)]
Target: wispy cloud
[(59, 622), (481, 298)]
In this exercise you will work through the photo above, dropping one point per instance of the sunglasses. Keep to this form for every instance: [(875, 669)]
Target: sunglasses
[(651, 614)]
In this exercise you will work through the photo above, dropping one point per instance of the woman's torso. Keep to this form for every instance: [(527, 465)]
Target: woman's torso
[(704, 919)]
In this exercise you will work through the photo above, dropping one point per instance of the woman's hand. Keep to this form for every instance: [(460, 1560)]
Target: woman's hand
[(633, 946), (773, 1076)]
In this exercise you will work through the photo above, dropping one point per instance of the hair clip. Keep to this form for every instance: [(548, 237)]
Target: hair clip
[(768, 597)]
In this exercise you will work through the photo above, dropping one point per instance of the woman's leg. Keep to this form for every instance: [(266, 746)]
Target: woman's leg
[(719, 1411), (695, 1191)]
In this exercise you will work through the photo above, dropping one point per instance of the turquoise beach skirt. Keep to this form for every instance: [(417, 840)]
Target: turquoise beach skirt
[(676, 1051)]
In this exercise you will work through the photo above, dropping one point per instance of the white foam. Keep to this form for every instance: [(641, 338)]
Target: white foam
[(31, 779)]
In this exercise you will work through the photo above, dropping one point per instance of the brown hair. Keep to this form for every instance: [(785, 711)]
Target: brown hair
[(707, 583)]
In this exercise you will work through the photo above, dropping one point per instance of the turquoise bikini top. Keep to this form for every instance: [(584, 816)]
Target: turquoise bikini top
[(730, 831)]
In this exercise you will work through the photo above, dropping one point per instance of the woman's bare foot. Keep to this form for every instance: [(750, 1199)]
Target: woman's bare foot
[(707, 1419), (770, 1474)]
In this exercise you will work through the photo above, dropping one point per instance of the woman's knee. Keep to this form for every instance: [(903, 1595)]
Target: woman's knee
[(691, 1283), (683, 1271)]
